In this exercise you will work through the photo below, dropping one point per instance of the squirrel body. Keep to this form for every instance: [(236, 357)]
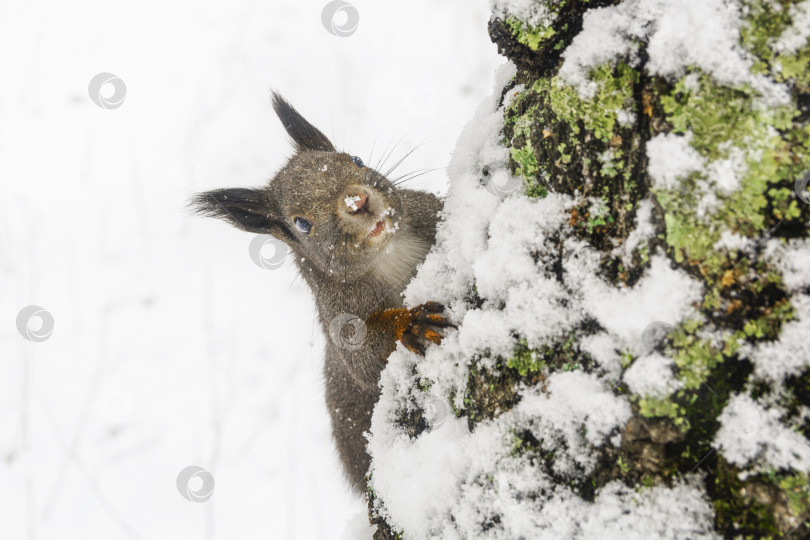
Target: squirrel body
[(357, 241)]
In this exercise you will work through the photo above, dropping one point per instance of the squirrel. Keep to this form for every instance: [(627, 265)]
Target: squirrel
[(357, 240)]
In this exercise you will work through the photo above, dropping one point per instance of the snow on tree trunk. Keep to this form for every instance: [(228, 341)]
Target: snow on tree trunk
[(624, 246)]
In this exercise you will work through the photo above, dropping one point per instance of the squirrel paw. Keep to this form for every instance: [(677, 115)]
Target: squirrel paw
[(420, 324)]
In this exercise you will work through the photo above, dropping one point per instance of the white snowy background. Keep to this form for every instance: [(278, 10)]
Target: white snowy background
[(170, 346)]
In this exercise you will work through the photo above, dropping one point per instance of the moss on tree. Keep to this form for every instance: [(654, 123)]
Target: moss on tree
[(586, 148)]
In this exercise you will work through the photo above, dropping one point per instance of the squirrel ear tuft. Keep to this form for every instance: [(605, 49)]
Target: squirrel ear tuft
[(304, 135), (244, 208)]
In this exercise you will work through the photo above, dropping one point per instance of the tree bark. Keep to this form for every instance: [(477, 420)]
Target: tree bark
[(561, 142)]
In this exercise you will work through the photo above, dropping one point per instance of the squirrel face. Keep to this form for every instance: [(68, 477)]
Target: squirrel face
[(329, 207), (358, 241)]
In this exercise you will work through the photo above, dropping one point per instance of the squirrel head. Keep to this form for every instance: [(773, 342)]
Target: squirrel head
[(327, 206)]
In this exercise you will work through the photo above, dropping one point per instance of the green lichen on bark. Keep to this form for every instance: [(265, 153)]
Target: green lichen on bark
[(595, 147), (531, 36), (574, 139), (566, 139)]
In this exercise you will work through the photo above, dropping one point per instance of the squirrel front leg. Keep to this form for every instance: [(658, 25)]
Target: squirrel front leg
[(365, 357), (413, 327)]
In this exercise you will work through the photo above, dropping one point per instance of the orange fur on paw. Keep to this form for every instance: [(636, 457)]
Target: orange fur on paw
[(413, 327)]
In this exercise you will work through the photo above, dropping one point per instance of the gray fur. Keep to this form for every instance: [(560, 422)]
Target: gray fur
[(347, 271)]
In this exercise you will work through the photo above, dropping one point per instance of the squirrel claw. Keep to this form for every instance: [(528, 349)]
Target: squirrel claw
[(412, 343), (413, 327), (435, 320), (423, 325)]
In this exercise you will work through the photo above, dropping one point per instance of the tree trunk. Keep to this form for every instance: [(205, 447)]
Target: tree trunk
[(675, 137)]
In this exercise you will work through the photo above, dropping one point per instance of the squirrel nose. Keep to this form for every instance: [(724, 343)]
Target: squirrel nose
[(357, 204)]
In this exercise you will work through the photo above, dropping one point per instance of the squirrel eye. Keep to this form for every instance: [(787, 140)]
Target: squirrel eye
[(303, 225), (357, 161)]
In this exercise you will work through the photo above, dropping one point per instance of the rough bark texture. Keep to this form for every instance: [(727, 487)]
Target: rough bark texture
[(558, 143)]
